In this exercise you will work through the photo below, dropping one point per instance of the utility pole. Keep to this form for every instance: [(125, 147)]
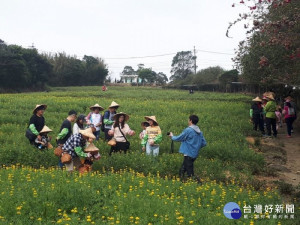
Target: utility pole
[(32, 46), (195, 58)]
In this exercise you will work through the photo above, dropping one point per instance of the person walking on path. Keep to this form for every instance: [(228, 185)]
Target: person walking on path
[(256, 114), (289, 116), (192, 140), (108, 119), (152, 137), (36, 123), (119, 131), (270, 109)]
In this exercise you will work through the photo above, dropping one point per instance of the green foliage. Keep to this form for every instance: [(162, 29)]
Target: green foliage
[(47, 196), (225, 133), (228, 77), (22, 68), (128, 70), (271, 54), (182, 65)]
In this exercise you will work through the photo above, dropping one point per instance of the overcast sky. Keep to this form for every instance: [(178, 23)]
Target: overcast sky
[(118, 30)]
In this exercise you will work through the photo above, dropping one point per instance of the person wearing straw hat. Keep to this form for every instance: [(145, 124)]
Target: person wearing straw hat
[(95, 119), (66, 128), (152, 137), (75, 147), (119, 131), (36, 123), (44, 142), (257, 115), (270, 109), (108, 119)]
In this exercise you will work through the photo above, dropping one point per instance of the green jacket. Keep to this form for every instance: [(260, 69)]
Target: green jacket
[(270, 109)]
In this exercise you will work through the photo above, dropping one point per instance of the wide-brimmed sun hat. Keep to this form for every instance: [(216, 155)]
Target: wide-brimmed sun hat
[(97, 106), (38, 107), (91, 148), (113, 105), (121, 113), (88, 133), (151, 118), (257, 99), (270, 96), (45, 129)]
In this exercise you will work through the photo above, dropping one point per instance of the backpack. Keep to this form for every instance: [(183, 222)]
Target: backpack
[(291, 111), (102, 120)]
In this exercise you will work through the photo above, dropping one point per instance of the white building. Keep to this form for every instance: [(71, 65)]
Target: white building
[(130, 79)]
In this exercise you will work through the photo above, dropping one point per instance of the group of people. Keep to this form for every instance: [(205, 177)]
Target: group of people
[(75, 141), (266, 113)]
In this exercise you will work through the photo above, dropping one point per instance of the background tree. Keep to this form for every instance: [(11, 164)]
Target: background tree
[(22, 68), (182, 65), (161, 78), (128, 70), (147, 75), (271, 53), (228, 77), (208, 75)]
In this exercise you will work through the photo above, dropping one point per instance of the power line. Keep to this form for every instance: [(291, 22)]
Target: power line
[(153, 56)]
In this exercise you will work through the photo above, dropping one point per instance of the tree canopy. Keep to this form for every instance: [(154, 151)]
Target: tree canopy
[(23, 68), (271, 52), (182, 65)]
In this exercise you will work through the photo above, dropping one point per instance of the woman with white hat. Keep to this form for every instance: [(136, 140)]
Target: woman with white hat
[(257, 115), (74, 146), (152, 137), (36, 123), (119, 131), (108, 119), (95, 119)]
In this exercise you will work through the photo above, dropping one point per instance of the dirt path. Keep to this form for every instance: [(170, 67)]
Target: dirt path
[(282, 157)]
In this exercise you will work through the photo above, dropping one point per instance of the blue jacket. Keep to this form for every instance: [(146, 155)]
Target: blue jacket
[(192, 141)]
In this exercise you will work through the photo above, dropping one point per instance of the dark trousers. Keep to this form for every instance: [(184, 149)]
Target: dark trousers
[(120, 147), (258, 121), (289, 124), (187, 166), (271, 122), (107, 137)]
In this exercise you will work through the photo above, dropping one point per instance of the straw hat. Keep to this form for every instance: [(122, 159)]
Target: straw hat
[(269, 93), (91, 148), (257, 99), (88, 133), (37, 106), (45, 129), (113, 105), (121, 113), (151, 118), (97, 106), (270, 96)]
